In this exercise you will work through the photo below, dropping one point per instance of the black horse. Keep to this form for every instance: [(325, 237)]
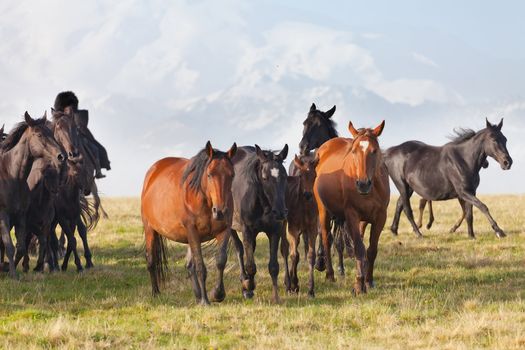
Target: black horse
[(259, 189), (446, 172), (319, 127)]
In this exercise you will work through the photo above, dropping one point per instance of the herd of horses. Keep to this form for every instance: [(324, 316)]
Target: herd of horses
[(335, 187), (46, 174)]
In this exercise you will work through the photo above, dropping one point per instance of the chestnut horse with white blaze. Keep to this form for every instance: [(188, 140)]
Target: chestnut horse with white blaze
[(352, 184), (189, 201)]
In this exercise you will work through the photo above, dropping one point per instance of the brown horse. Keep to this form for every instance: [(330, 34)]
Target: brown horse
[(352, 184), (189, 201), (301, 219)]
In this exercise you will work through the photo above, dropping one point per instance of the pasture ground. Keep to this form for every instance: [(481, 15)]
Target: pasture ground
[(444, 291)]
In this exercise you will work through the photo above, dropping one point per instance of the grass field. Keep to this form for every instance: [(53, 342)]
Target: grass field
[(444, 291)]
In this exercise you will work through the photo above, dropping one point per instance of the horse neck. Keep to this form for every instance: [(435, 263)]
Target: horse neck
[(294, 188), (473, 152), (18, 160)]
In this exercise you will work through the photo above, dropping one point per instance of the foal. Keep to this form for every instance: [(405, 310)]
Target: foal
[(302, 219)]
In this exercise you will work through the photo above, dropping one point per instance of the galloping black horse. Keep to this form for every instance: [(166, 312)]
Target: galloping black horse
[(446, 172), (258, 191)]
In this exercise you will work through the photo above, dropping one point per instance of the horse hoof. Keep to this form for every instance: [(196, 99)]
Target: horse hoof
[(320, 265), (429, 226), (247, 294), (370, 284), (64, 268), (89, 265), (218, 295), (330, 277), (80, 270), (393, 230), (311, 294), (471, 237), (204, 302), (500, 234), (341, 272)]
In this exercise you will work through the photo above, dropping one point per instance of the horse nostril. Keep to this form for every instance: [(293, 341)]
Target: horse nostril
[(61, 157)]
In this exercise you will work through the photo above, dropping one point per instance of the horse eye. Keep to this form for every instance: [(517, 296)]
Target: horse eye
[(209, 176)]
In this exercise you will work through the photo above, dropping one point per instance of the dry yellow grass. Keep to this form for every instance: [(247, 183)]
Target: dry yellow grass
[(444, 291)]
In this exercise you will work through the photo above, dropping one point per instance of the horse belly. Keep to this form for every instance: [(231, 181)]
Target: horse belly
[(330, 194)]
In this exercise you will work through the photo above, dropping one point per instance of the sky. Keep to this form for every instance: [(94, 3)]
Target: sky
[(160, 78)]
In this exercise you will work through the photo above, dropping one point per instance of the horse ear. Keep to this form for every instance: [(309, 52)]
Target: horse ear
[(329, 113), (44, 118), (488, 123), (298, 162), (259, 152), (379, 129), (209, 149), (500, 125), (232, 150), (2, 129), (284, 153), (313, 108), (30, 121), (352, 130), (485, 164)]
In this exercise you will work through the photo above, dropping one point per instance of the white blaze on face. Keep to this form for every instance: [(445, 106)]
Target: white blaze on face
[(274, 172), (364, 145)]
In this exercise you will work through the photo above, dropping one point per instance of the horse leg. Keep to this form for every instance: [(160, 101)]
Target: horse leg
[(221, 256), (248, 285), (82, 232), (463, 214), (69, 229), (470, 219), (62, 243), (273, 264), (320, 264), (190, 266), (8, 243), (430, 215), (397, 216), (53, 247), (422, 205), (294, 240), (473, 200), (360, 251), (3, 266), (375, 232), (200, 267), (340, 248), (240, 255), (21, 238), (324, 220), (285, 252), (25, 259), (406, 192), (312, 238), (42, 247)]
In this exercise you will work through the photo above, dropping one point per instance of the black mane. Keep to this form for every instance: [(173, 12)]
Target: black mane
[(462, 134), (197, 167)]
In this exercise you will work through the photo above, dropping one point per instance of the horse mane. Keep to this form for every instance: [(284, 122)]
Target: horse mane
[(197, 167), (65, 99), (16, 133), (462, 134)]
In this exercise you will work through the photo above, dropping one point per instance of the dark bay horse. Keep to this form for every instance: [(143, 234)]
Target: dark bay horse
[(301, 220), (423, 202), (446, 172), (259, 191), (189, 201), (352, 184), (28, 141)]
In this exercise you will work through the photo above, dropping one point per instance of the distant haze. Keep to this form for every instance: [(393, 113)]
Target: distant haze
[(162, 77)]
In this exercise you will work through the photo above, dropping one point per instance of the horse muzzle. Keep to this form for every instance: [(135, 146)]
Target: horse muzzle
[(506, 164), (363, 187), (308, 196)]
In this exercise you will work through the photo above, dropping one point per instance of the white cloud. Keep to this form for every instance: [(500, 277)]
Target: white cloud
[(424, 60)]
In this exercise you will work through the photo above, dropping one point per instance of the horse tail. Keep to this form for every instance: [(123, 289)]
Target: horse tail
[(159, 258), (342, 236), (88, 213)]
